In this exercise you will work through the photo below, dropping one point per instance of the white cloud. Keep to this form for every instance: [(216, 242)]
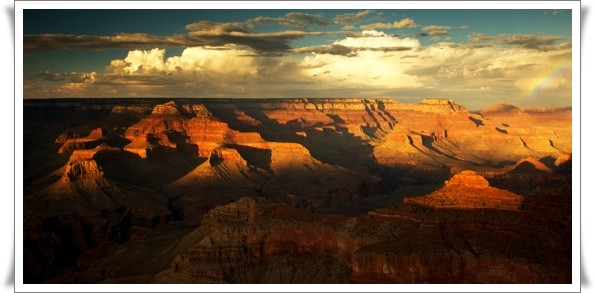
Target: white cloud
[(367, 64), (226, 60), (368, 69), (376, 39)]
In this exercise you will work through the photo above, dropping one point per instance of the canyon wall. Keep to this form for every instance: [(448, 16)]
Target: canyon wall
[(104, 175)]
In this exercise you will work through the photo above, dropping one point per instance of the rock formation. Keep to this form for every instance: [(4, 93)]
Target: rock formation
[(257, 241), (468, 190), (469, 179), (138, 176)]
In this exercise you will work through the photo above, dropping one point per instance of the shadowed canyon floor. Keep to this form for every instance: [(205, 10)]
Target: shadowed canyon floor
[(295, 191)]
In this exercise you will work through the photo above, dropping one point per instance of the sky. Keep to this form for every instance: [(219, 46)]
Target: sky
[(476, 57)]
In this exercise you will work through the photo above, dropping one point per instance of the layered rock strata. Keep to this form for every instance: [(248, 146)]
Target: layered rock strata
[(422, 241), (141, 163)]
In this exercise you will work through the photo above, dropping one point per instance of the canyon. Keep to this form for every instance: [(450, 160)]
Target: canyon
[(352, 190)]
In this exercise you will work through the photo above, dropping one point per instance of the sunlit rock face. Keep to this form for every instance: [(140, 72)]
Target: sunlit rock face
[(468, 179), (467, 190), (296, 191)]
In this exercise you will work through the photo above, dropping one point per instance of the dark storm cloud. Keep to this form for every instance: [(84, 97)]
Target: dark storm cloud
[(332, 49), (209, 35), (125, 40), (346, 51)]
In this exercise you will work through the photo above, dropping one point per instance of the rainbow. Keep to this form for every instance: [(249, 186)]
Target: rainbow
[(542, 80)]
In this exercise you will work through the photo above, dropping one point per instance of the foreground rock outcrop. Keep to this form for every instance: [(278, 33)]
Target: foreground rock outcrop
[(482, 235)]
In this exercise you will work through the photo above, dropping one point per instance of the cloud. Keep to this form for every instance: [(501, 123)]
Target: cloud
[(73, 77), (210, 27), (366, 64), (352, 18), (428, 28), (527, 41), (49, 76), (403, 23), (292, 19), (203, 34), (436, 30), (315, 19), (382, 72), (376, 39), (480, 37), (193, 61), (346, 51), (530, 41), (472, 74), (229, 71), (326, 49)]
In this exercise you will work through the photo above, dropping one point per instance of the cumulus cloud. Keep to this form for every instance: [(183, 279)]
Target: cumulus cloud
[(472, 74), (382, 72), (366, 64), (193, 61), (197, 72), (403, 23)]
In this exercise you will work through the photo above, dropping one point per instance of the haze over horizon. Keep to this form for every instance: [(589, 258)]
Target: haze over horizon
[(408, 55)]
